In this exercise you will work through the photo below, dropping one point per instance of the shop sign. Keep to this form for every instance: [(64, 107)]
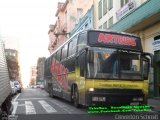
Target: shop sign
[(156, 45), (126, 9)]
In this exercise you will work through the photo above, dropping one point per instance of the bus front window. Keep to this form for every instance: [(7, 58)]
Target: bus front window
[(102, 64), (130, 66), (108, 63)]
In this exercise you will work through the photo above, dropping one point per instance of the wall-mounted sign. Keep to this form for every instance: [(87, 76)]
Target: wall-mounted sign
[(126, 9), (156, 45)]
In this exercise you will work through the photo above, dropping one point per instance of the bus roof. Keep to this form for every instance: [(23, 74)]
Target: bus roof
[(101, 35)]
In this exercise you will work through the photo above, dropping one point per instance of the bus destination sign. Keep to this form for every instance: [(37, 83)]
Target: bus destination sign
[(116, 40)]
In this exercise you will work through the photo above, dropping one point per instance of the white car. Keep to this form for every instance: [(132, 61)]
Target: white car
[(13, 88), (18, 86)]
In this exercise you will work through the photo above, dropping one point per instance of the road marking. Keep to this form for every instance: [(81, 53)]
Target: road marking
[(65, 108), (15, 104), (21, 105), (47, 107), (13, 117), (29, 108), (26, 99), (16, 98)]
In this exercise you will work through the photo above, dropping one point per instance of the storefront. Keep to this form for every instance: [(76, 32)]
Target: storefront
[(156, 48)]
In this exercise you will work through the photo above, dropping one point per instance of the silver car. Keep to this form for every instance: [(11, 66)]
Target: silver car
[(18, 86), (13, 88)]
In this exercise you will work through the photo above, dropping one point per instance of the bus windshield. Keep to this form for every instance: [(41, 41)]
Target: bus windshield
[(110, 63)]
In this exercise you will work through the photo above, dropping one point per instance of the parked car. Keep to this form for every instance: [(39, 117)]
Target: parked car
[(18, 86), (42, 86), (13, 88)]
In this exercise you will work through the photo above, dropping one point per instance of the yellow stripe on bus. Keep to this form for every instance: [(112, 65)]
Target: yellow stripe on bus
[(115, 84)]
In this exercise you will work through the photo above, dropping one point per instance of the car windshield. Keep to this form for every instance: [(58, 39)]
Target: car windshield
[(113, 64)]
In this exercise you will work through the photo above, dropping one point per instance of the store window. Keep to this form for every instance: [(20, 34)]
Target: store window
[(157, 67)]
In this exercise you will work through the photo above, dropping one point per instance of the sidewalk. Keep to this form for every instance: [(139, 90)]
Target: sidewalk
[(155, 103)]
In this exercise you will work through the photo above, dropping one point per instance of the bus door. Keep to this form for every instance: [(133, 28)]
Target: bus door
[(80, 76)]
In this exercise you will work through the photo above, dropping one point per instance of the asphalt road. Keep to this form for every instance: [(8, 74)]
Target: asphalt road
[(35, 104)]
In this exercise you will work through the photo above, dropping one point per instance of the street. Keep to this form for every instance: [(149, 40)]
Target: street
[(35, 104), (37, 101)]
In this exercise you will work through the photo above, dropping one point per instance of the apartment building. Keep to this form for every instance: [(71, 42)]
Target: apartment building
[(13, 64), (68, 16), (40, 70), (33, 75)]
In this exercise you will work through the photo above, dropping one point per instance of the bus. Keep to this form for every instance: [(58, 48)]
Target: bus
[(95, 68)]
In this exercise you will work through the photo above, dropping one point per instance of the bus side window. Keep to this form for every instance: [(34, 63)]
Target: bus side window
[(64, 51), (70, 48), (59, 55), (74, 45), (54, 59), (82, 65), (82, 41)]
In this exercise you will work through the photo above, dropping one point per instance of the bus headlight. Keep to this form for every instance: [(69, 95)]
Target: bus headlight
[(91, 89)]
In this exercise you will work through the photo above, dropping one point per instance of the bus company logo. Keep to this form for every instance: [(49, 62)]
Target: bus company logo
[(117, 39)]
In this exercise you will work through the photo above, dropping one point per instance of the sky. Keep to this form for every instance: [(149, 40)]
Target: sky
[(24, 26)]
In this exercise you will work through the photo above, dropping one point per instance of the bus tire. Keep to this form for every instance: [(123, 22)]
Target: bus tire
[(50, 91), (76, 97)]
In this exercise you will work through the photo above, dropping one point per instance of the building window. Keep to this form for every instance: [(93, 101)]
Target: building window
[(105, 25), (104, 7), (79, 12), (100, 9), (86, 26), (100, 27), (66, 17), (123, 2), (110, 22), (110, 4)]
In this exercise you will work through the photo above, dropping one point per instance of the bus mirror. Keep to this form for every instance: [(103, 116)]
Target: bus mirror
[(151, 57), (90, 56)]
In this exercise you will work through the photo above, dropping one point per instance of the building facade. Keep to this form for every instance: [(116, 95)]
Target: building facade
[(40, 70), (86, 22), (33, 75), (141, 17), (12, 63), (68, 16)]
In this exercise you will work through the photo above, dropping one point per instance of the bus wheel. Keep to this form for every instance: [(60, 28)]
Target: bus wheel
[(50, 91), (76, 97)]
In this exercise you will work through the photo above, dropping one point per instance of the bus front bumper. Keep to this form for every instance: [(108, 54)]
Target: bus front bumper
[(115, 98)]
